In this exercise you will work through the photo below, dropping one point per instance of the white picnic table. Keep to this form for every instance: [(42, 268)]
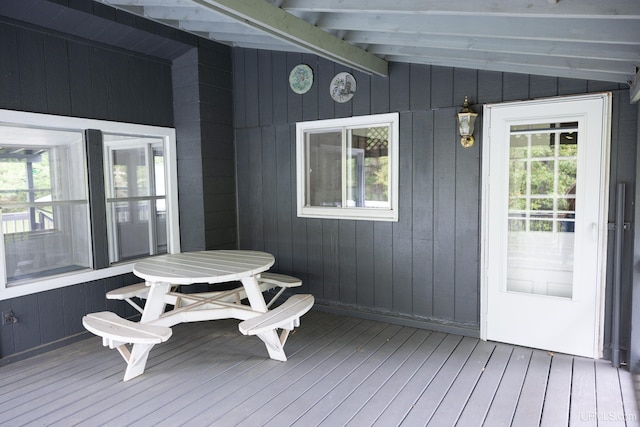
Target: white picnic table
[(162, 275)]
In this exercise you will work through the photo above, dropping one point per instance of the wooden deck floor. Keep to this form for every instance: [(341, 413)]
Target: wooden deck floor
[(341, 371)]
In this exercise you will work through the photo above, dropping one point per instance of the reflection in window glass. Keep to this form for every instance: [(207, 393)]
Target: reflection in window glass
[(348, 168), (324, 170), (368, 167), (542, 176), (136, 208), (43, 195), (541, 208)]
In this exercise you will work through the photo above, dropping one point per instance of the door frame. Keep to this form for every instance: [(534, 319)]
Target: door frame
[(603, 205)]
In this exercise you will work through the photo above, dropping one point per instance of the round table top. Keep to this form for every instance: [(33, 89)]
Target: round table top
[(203, 266)]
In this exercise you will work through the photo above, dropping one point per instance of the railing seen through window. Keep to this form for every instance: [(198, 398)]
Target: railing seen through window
[(136, 196), (80, 199), (43, 196), (348, 168)]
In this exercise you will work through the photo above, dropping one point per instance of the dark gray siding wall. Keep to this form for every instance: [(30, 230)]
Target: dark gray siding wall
[(203, 99), (423, 269), (44, 73), (49, 72)]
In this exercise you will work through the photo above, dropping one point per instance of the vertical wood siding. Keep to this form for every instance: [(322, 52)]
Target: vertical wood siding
[(202, 94), (425, 267), (58, 74), (45, 74)]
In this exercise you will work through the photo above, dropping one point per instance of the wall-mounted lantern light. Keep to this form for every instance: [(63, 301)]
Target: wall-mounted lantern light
[(466, 121)]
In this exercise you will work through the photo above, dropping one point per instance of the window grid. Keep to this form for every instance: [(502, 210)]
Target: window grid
[(530, 215)]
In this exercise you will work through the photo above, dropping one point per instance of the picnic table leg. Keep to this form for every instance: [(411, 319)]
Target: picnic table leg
[(270, 338), (252, 289), (137, 360), (274, 346), (153, 308)]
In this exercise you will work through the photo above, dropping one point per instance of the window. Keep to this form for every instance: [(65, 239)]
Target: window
[(53, 233), (543, 165), (136, 202), (348, 168), (43, 197)]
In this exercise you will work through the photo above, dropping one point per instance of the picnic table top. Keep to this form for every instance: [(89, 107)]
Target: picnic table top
[(203, 266)]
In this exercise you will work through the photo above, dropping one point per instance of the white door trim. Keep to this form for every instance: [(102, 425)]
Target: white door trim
[(604, 186)]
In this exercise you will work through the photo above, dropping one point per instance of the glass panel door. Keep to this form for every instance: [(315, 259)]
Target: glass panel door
[(541, 208), (545, 178)]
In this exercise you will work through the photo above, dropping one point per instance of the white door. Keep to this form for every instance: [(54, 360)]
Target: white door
[(545, 192)]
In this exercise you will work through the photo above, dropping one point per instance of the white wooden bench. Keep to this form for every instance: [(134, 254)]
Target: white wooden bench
[(266, 281), (139, 290), (272, 280), (117, 332), (285, 317)]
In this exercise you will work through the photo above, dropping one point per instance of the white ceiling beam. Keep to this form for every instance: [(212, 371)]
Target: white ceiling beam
[(514, 68), (625, 31), (466, 42), (252, 41), (220, 27), (525, 60), (184, 13), (148, 2), (273, 20), (634, 91), (568, 8), (272, 47)]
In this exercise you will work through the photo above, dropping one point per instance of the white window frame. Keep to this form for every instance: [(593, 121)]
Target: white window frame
[(48, 121), (108, 149), (348, 212)]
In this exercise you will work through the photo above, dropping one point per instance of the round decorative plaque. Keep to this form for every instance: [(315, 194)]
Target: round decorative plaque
[(342, 87), (301, 78)]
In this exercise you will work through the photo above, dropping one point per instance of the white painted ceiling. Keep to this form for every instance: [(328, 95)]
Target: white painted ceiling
[(587, 39)]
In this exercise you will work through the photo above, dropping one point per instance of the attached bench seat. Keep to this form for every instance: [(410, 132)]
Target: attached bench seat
[(285, 317), (281, 280), (115, 330), (266, 281), (270, 280), (140, 290)]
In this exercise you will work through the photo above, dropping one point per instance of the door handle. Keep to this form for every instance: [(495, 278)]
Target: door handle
[(594, 231)]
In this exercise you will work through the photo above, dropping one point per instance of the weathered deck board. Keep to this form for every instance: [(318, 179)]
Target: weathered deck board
[(507, 396), (556, 411), (337, 384), (460, 391), (583, 394), (380, 398), (529, 409), (423, 408), (298, 380), (378, 379), (341, 371), (478, 404)]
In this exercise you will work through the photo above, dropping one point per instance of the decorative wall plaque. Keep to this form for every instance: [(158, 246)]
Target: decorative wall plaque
[(342, 87), (301, 78)]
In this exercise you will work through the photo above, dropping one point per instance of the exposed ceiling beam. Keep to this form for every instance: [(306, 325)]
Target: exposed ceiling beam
[(515, 68), (525, 60), (587, 39), (273, 20), (220, 27), (623, 31), (467, 42), (567, 8)]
